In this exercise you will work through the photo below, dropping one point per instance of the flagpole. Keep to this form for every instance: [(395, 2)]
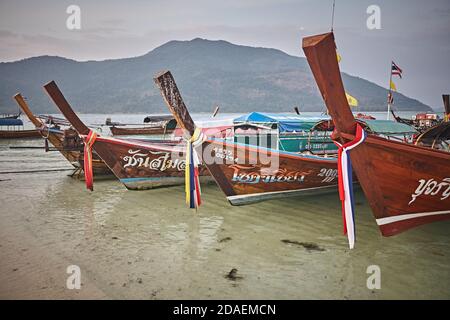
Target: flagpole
[(332, 17), (389, 94)]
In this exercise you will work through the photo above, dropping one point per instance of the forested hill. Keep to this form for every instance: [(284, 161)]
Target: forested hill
[(208, 73)]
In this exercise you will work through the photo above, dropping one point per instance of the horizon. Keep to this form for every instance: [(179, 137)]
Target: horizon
[(119, 31)]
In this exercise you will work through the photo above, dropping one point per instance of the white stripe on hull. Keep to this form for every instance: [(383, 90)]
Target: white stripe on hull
[(387, 220), (159, 182), (256, 197)]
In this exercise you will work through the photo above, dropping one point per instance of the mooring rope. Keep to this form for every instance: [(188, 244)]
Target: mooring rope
[(35, 171)]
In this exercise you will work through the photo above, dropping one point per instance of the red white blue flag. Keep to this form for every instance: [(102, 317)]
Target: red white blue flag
[(346, 183), (395, 70)]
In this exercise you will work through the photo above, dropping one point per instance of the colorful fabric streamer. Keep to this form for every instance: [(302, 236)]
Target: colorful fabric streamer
[(89, 141), (345, 181), (192, 182)]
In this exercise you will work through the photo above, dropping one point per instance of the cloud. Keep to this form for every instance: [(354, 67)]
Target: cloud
[(413, 32)]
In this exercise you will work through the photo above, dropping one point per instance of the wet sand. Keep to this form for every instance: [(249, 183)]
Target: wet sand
[(148, 245)]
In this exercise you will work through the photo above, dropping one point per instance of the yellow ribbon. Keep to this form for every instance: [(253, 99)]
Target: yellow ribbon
[(196, 137)]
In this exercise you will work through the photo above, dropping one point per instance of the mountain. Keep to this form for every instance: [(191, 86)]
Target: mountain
[(237, 78)]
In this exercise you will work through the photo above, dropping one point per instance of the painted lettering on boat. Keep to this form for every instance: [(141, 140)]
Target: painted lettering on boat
[(432, 187), (328, 175), (158, 160), (253, 174), (222, 153)]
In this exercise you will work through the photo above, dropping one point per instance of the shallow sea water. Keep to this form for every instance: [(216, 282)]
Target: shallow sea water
[(149, 245)]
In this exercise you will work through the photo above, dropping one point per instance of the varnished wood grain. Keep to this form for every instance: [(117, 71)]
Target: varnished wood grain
[(389, 172)]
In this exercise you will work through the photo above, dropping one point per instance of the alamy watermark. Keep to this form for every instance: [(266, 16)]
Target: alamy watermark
[(74, 279), (373, 21), (374, 280), (73, 21)]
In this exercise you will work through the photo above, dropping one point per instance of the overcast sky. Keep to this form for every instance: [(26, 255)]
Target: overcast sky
[(414, 33)]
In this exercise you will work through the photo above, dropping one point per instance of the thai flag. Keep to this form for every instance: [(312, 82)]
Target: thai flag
[(395, 70)]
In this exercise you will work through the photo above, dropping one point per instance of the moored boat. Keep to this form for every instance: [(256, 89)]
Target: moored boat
[(391, 130), (437, 137), (137, 164), (288, 132), (406, 185), (65, 141), (122, 131), (12, 128), (10, 116), (424, 121), (249, 173), (155, 125)]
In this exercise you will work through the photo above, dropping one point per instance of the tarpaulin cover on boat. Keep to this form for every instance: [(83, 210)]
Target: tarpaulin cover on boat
[(286, 122), (387, 127), (11, 122)]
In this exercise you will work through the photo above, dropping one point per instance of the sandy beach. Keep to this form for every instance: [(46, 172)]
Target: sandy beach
[(148, 245)]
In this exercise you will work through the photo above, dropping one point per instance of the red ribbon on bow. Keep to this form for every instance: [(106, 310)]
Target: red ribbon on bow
[(88, 173), (345, 182)]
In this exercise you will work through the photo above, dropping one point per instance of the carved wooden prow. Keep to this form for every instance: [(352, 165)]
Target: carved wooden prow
[(320, 51), (58, 98), (169, 90), (24, 106)]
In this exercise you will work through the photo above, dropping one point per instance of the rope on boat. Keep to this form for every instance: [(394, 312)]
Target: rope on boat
[(35, 171), (32, 147)]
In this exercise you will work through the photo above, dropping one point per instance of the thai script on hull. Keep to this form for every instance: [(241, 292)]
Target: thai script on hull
[(432, 187), (160, 161)]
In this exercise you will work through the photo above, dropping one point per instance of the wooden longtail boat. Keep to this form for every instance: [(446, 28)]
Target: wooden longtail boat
[(390, 129), (158, 125), (289, 132), (137, 164), (9, 116), (54, 136), (399, 119), (15, 129), (19, 134), (242, 171), (405, 185), (423, 121), (120, 131), (437, 137), (65, 141)]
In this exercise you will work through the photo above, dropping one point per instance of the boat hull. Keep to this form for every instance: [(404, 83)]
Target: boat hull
[(248, 174), (63, 141), (19, 134), (117, 131), (405, 185), (140, 165), (74, 155), (404, 188)]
